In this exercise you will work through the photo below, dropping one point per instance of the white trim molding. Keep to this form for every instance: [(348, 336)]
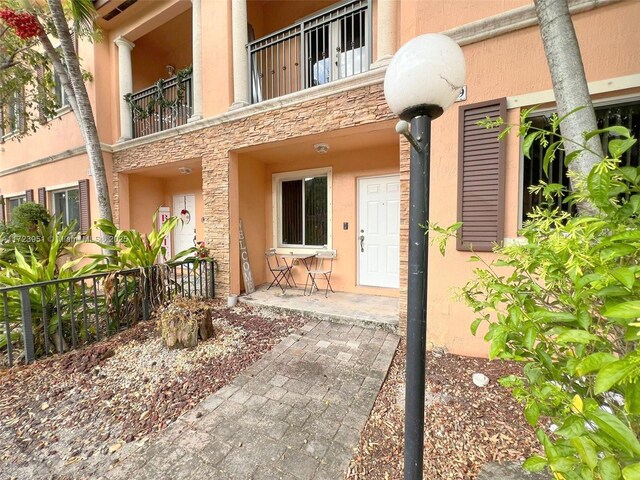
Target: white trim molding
[(62, 186), (595, 87)]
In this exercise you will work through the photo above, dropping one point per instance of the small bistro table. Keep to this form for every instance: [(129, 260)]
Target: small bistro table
[(305, 258)]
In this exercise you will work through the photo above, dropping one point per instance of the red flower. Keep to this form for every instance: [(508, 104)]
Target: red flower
[(26, 25)]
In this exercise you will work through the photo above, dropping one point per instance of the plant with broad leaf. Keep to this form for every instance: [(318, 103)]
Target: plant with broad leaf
[(566, 303)]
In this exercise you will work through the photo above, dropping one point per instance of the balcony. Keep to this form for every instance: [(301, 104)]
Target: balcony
[(331, 44), (164, 105)]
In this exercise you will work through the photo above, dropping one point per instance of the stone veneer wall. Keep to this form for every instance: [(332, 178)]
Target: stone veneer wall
[(361, 106)]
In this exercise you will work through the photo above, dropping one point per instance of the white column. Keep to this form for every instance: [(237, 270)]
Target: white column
[(386, 31), (196, 74), (125, 80), (240, 56)]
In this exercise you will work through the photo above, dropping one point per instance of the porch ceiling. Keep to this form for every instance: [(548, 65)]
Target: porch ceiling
[(170, 170), (341, 141)]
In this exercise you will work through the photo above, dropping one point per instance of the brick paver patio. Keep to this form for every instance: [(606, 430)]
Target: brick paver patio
[(297, 413)]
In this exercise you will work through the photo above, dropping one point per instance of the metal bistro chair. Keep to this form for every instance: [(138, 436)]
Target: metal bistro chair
[(322, 264), (279, 272)]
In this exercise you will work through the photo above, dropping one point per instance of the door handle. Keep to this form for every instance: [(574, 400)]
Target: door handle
[(361, 243)]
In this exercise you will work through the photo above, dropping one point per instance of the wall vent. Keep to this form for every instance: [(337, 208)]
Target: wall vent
[(118, 10)]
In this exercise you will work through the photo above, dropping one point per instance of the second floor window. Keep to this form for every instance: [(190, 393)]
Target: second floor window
[(12, 115), (626, 115), (66, 203), (61, 97)]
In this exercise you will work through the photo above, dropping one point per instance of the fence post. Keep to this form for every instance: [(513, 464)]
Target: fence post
[(145, 295), (27, 326), (212, 279)]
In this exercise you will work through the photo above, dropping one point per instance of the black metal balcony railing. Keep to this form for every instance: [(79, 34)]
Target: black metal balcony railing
[(333, 44), (162, 106)]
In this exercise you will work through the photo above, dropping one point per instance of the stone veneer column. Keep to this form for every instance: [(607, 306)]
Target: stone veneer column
[(386, 31), (196, 75), (125, 78), (240, 57)]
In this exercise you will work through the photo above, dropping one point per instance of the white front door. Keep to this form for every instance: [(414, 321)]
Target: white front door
[(184, 207), (379, 231)]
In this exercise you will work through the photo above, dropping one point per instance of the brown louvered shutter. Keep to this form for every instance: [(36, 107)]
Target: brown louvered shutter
[(28, 195), (42, 95), (42, 196), (85, 211), (2, 216), (480, 178)]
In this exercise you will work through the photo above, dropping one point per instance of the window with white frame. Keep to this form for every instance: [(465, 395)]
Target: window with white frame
[(61, 97), (66, 203), (624, 114), (303, 212), (13, 202)]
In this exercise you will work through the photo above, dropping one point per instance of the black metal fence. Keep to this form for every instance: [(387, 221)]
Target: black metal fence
[(159, 116), (60, 315)]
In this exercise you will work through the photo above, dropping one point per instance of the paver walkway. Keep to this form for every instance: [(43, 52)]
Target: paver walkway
[(297, 413)]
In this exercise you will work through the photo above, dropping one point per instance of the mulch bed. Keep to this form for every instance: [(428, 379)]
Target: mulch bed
[(64, 416), (465, 426)]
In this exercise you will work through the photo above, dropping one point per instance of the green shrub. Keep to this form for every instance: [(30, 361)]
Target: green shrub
[(566, 303), (27, 216)]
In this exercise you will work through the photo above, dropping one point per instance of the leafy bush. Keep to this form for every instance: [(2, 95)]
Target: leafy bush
[(566, 303), (27, 216)]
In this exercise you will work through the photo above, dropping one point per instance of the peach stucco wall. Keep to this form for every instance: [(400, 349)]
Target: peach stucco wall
[(517, 66), (256, 208), (148, 193)]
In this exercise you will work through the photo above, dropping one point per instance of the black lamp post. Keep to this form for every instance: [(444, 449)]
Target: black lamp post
[(423, 79)]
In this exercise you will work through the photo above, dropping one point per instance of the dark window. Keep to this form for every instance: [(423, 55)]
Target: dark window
[(626, 115), (303, 214), (61, 97)]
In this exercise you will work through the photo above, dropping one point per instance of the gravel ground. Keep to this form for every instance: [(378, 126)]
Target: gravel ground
[(67, 416), (465, 426)]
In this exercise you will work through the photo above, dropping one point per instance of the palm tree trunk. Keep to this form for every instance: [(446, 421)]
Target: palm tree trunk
[(84, 111), (570, 89)]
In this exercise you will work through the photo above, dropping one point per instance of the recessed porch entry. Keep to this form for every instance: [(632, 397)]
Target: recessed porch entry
[(379, 231), (184, 236)]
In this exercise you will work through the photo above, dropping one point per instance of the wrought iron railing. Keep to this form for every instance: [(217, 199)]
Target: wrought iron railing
[(60, 315), (332, 44), (164, 105)]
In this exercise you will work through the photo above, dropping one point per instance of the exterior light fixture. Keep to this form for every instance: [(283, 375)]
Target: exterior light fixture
[(423, 79), (184, 170), (321, 148)]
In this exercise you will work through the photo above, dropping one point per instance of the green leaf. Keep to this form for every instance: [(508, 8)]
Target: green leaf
[(615, 429), (628, 310), (599, 184), (612, 374), (532, 413), (572, 427), (587, 451), (535, 463), (625, 276), (549, 156), (576, 336), (528, 142), (632, 399), (560, 317), (563, 464), (594, 362), (616, 251), (631, 472), (530, 335), (615, 129), (618, 146), (609, 469), (474, 326)]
